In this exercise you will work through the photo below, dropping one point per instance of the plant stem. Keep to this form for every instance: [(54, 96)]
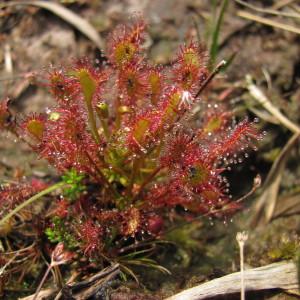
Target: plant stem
[(147, 180), (241, 238), (102, 176), (92, 122), (135, 168), (42, 282), (242, 273), (118, 115), (31, 200), (217, 69), (103, 124), (105, 128)]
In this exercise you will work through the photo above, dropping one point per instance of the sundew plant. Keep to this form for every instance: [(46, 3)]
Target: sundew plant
[(131, 157)]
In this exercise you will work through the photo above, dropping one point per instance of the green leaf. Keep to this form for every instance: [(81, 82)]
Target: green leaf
[(216, 33), (87, 83), (74, 186)]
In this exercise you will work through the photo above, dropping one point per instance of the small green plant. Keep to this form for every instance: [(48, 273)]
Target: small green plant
[(58, 233), (287, 248), (74, 186)]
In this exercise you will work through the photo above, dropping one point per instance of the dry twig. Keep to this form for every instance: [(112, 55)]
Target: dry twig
[(281, 275)]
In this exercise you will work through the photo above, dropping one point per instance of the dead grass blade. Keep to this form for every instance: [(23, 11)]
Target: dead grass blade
[(265, 206), (129, 272), (281, 3), (261, 98), (287, 206), (66, 14), (264, 115), (267, 22), (268, 11)]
